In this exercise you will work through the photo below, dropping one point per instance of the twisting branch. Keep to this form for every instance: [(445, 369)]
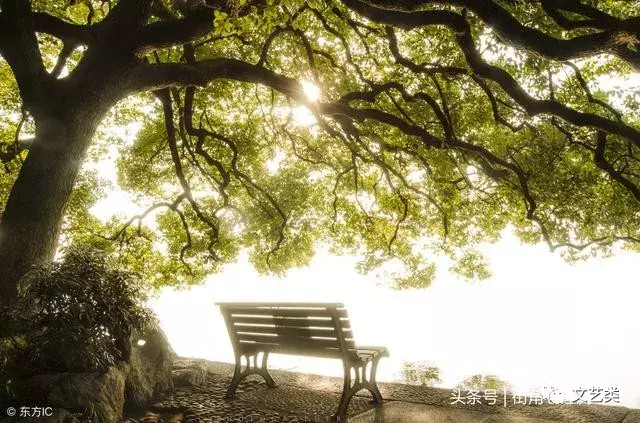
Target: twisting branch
[(68, 32), (174, 32), (494, 105), (66, 51), (602, 163), (19, 47), (511, 31), (590, 97), (418, 68), (250, 185), (10, 152), (15, 148), (202, 133), (463, 34), (165, 97), (173, 206)]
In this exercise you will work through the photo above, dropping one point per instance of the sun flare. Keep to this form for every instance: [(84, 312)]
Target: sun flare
[(311, 90)]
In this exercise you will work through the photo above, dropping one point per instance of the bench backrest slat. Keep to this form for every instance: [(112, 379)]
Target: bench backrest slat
[(289, 331), (315, 329), (283, 312), (287, 321)]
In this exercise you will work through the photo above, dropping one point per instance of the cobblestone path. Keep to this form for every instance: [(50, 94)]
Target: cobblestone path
[(305, 398)]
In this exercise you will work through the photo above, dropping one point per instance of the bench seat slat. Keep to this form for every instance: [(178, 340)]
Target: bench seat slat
[(308, 343), (248, 347), (299, 350)]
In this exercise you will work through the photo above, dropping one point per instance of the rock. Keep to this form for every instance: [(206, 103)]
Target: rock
[(176, 418), (188, 377), (100, 396), (189, 372), (148, 368), (146, 373), (151, 418)]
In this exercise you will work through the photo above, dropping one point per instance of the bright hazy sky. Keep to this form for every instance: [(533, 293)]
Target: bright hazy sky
[(537, 322)]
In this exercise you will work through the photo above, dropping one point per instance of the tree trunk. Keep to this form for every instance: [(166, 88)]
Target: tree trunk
[(35, 208)]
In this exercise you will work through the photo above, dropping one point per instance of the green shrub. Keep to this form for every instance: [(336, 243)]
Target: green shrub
[(419, 373), (483, 382), (75, 315)]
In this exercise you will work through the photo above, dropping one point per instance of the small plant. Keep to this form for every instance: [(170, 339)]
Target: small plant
[(483, 382), (75, 315), (419, 373)]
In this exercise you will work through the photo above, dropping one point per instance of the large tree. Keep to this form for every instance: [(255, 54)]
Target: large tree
[(381, 127)]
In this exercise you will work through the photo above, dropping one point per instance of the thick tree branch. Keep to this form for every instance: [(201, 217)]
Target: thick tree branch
[(66, 51), (602, 163), (509, 29), (10, 151), (161, 75), (167, 107), (19, 47), (241, 71), (68, 32), (463, 33), (128, 15), (174, 32)]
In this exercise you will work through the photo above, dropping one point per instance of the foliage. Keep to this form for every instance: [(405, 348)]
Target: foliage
[(419, 373), (75, 315), (437, 125), (483, 382), (5, 378)]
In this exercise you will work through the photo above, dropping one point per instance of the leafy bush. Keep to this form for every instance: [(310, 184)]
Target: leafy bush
[(75, 315), (483, 382), (419, 373)]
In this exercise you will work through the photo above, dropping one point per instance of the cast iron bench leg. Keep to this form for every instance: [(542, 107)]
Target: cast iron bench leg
[(373, 385), (235, 381), (264, 372), (351, 387), (250, 369)]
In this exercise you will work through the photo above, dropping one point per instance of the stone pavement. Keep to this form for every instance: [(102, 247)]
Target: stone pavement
[(305, 398), (406, 412)]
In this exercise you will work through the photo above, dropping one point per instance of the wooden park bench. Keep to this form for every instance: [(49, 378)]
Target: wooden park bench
[(306, 329)]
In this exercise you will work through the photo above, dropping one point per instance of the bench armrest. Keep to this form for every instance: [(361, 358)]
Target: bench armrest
[(384, 352)]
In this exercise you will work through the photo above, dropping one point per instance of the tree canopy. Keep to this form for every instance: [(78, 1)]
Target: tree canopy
[(389, 129)]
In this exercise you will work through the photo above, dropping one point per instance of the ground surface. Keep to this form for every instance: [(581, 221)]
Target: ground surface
[(310, 398)]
